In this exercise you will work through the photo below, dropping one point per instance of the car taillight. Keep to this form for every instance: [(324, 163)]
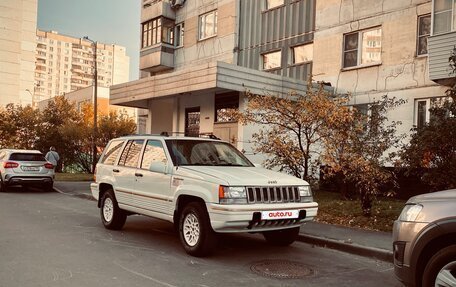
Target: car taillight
[(49, 165), (10, 164)]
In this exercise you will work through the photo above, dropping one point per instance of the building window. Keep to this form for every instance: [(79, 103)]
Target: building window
[(156, 31), (272, 60), (224, 105), (362, 48), (179, 35), (273, 3), (444, 16), (151, 32), (207, 25), (424, 30), (302, 54), (422, 113)]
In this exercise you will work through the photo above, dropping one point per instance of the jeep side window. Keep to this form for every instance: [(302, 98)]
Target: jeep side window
[(153, 152), (131, 152), (112, 151)]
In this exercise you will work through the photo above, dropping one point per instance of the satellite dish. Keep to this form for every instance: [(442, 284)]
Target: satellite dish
[(176, 4)]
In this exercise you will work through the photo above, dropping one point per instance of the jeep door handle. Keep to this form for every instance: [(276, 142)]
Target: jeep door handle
[(139, 174), (115, 170)]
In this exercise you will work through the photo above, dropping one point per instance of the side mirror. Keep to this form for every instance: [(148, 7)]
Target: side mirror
[(158, 166)]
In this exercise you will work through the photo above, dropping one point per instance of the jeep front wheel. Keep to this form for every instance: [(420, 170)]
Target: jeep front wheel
[(283, 237), (111, 215), (195, 230)]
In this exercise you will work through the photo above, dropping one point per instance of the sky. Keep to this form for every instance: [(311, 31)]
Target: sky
[(105, 21)]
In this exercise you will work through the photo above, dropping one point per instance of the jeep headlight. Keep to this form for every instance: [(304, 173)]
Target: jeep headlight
[(305, 193), (410, 212), (232, 195)]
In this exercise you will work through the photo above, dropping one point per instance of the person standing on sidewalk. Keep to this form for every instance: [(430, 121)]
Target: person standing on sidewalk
[(52, 156)]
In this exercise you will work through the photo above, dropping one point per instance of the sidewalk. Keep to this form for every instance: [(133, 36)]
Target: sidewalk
[(352, 240)]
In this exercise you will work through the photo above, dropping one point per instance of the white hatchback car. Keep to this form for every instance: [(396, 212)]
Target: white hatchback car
[(203, 186), (25, 167)]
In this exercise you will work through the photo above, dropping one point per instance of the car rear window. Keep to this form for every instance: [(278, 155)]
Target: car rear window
[(27, 157)]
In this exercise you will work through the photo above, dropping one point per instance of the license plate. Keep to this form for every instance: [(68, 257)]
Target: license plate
[(279, 214), (30, 168)]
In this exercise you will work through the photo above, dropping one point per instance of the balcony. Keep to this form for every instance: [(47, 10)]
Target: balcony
[(157, 58), (156, 8), (439, 50)]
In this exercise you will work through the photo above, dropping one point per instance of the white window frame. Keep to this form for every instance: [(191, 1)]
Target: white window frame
[(428, 113), (293, 57), (452, 20), (359, 63), (418, 36), (269, 53), (179, 35), (200, 25)]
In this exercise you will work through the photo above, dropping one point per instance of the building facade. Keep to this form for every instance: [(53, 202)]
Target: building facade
[(18, 20), (395, 48), (65, 64), (199, 57), (85, 96)]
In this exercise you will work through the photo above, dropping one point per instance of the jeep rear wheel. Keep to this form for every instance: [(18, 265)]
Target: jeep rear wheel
[(441, 268), (195, 230), (282, 237), (111, 215)]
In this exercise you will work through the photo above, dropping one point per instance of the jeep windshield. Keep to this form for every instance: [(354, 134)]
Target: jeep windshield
[(207, 153)]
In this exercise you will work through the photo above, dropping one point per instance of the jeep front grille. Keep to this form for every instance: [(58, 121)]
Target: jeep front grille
[(273, 194)]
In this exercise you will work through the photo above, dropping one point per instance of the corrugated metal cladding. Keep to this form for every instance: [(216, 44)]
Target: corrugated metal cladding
[(281, 28), (440, 48)]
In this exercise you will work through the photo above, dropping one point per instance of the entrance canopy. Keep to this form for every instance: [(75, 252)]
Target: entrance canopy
[(216, 76)]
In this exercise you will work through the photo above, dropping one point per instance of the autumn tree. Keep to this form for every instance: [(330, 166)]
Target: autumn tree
[(19, 126), (432, 148), (292, 127), (359, 147), (299, 132)]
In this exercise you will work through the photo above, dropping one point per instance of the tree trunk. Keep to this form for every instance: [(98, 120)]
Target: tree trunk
[(366, 203)]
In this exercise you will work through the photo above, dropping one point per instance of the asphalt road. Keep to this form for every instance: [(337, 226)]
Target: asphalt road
[(53, 239)]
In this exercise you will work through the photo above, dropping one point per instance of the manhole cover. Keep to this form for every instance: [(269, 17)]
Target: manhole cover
[(282, 269)]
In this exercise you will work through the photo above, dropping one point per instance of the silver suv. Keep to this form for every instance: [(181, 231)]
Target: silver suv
[(203, 186), (25, 167), (424, 240)]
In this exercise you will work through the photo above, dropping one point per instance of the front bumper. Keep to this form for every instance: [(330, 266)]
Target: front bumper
[(246, 217), (404, 236)]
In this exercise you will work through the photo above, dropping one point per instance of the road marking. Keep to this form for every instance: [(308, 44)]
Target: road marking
[(144, 276)]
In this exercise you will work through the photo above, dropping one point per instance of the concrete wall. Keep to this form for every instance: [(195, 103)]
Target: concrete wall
[(17, 50), (219, 48), (401, 73)]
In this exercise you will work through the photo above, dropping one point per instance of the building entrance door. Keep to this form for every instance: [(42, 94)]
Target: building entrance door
[(192, 122)]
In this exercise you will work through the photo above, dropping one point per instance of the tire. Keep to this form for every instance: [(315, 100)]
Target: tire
[(48, 186), (111, 215), (195, 230), (283, 237), (442, 263)]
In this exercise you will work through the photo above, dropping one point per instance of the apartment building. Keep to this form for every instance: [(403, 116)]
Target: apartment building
[(18, 20), (65, 64), (199, 57), (396, 48)]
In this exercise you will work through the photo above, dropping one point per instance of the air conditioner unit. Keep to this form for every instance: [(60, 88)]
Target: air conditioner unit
[(176, 4)]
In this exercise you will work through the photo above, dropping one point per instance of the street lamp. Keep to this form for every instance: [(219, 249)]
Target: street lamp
[(95, 95)]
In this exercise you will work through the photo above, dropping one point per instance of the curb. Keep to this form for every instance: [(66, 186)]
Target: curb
[(353, 248), (79, 195)]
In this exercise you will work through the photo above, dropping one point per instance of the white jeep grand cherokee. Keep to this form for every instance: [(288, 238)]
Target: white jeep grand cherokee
[(203, 186)]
